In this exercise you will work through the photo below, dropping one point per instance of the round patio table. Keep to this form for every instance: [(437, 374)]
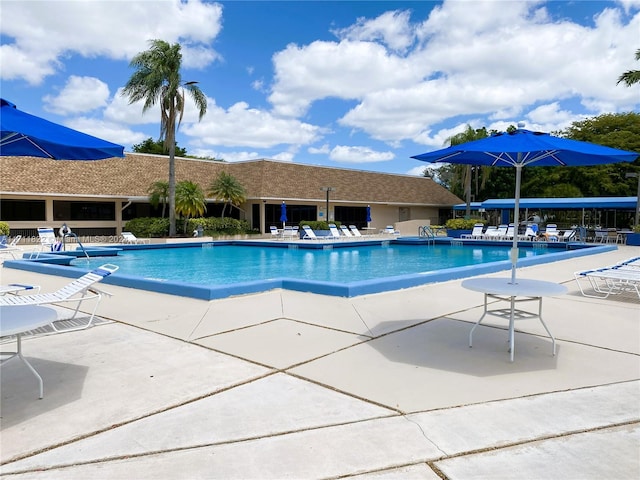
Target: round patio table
[(504, 290), (18, 319)]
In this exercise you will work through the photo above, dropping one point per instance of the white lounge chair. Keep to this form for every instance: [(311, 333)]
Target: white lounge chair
[(290, 233), (476, 233), (496, 233), (530, 233), (334, 231), (17, 288), (568, 235), (551, 232), (355, 231), (389, 230), (609, 281), (79, 290), (274, 231), (12, 247), (309, 234), (345, 231), (490, 233), (128, 237), (510, 233), (48, 242)]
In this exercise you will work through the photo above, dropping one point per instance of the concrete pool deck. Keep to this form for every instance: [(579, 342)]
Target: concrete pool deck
[(287, 384)]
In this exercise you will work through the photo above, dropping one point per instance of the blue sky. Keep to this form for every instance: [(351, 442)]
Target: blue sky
[(362, 85)]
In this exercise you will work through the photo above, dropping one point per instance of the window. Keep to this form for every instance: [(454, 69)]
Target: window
[(351, 216), (63, 210), (22, 210)]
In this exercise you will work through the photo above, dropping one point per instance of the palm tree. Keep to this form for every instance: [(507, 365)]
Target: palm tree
[(227, 188), (632, 76), (159, 193), (190, 201), (157, 80), (464, 172)]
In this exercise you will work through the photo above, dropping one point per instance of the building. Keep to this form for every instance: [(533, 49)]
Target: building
[(611, 212), (99, 197)]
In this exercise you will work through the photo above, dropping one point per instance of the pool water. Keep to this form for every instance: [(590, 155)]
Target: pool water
[(227, 264)]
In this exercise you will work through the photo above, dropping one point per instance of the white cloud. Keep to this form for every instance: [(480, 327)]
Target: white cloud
[(323, 150), (628, 5), (113, 132), (79, 95), (391, 28), (119, 110), (356, 154), (284, 156), (550, 114), (241, 125), (344, 70), (226, 156), (116, 30), (498, 59), (417, 171)]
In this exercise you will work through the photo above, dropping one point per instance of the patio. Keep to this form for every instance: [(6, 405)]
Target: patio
[(286, 384)]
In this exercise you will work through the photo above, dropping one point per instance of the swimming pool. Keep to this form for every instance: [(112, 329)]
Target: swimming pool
[(213, 270), (225, 264)]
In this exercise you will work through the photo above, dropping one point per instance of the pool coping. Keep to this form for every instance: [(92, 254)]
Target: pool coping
[(57, 264)]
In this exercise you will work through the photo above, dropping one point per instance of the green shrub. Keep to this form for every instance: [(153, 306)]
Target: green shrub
[(636, 228), (463, 223), (159, 227), (4, 228), (214, 226), (147, 227)]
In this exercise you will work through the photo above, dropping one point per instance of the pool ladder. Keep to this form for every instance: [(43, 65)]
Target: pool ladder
[(426, 233), (71, 234)]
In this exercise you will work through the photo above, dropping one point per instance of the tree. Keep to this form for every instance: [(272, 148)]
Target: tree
[(157, 80), (157, 147), (227, 188), (630, 77), (190, 201), (159, 193), (463, 173), (616, 130)]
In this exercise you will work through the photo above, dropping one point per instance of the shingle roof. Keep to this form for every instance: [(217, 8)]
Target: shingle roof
[(131, 177)]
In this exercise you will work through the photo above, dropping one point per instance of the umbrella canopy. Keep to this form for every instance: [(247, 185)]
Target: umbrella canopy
[(521, 148), (368, 214), (23, 134), (283, 213)]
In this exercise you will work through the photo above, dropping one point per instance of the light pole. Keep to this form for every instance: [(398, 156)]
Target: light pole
[(328, 190), (635, 175)]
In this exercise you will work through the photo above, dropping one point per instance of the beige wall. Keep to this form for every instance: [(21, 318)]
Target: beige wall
[(410, 227)]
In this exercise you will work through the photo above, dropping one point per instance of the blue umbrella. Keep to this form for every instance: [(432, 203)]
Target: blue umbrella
[(368, 215), (23, 134), (283, 214), (521, 148)]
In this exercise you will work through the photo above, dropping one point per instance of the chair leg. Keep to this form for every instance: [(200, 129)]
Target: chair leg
[(98, 297)]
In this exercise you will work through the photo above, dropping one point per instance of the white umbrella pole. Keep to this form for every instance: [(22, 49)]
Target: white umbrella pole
[(516, 220)]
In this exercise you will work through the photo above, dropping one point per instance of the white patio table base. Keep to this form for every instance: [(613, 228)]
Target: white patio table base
[(18, 319), (502, 289)]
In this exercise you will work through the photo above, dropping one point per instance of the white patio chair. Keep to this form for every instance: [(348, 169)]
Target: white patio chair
[(48, 242), (309, 234), (128, 237), (345, 231), (334, 231), (78, 291), (355, 231), (12, 247), (476, 233)]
